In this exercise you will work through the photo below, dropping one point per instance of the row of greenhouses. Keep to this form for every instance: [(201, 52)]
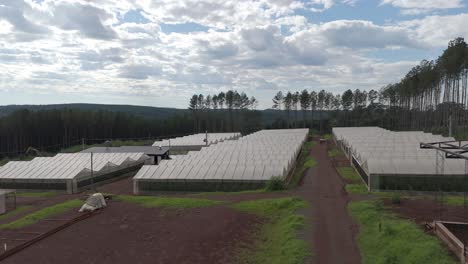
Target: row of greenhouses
[(68, 171), (246, 163), (196, 141), (389, 160)]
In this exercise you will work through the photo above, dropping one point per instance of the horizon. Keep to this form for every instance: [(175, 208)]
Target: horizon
[(143, 54)]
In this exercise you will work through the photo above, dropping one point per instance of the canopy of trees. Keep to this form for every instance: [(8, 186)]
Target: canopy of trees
[(223, 112), (51, 130)]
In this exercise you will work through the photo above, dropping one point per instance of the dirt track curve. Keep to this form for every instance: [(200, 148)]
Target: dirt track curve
[(333, 232)]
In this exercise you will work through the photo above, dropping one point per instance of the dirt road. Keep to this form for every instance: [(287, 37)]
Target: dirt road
[(333, 231)]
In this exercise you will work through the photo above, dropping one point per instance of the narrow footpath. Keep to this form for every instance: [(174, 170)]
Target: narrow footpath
[(333, 232)]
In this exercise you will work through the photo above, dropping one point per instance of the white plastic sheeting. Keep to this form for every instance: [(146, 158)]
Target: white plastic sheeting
[(67, 166), (197, 139), (255, 157), (384, 152)]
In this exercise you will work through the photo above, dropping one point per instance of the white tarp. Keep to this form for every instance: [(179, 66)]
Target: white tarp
[(94, 202)]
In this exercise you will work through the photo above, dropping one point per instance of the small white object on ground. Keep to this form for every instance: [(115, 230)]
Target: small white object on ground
[(94, 202)]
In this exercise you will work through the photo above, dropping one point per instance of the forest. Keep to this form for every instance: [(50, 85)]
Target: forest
[(432, 96)]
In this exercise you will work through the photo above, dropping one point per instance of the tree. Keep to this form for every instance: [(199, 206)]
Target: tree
[(278, 100), (253, 103), (193, 106), (347, 99), (373, 95), (295, 101), (288, 103), (305, 103)]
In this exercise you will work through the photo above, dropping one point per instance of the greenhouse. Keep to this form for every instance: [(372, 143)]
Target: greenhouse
[(68, 172), (243, 164), (388, 160), (196, 141)]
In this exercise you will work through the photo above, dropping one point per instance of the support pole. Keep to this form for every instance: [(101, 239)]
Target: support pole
[(92, 173)]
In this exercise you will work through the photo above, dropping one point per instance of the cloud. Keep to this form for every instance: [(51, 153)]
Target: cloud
[(139, 71), (86, 19), (416, 7), (17, 14), (60, 47), (430, 32), (365, 34)]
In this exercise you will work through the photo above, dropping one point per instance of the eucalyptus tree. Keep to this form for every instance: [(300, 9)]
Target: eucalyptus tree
[(288, 104), (278, 100), (194, 107), (295, 99), (372, 96), (305, 103), (320, 105), (347, 100), (221, 99), (313, 105)]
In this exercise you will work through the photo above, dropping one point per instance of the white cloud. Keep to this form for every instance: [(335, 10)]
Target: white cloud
[(416, 7), (437, 31), (85, 47)]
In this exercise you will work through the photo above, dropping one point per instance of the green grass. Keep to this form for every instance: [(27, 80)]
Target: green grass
[(399, 241), (277, 241), (454, 200), (36, 194), (229, 193), (304, 162), (328, 136), (334, 152), (348, 173), (42, 214), (310, 162), (17, 211), (153, 201), (356, 189)]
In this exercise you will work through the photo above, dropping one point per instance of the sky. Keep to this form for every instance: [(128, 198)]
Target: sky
[(160, 53)]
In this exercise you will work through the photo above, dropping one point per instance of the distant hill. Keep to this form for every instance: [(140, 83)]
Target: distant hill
[(268, 115), (142, 111)]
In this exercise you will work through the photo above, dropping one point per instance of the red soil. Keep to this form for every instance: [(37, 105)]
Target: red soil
[(427, 210), (128, 233), (333, 234)]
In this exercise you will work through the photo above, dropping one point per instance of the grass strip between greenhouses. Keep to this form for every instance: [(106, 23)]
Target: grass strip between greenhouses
[(43, 213), (396, 240), (356, 186), (356, 189), (36, 194), (335, 152), (304, 162), (229, 193), (277, 240), (17, 211), (169, 202)]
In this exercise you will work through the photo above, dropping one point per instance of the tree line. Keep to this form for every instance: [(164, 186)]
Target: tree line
[(52, 130), (225, 112)]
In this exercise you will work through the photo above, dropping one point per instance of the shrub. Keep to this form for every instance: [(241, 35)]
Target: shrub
[(275, 184), (396, 198)]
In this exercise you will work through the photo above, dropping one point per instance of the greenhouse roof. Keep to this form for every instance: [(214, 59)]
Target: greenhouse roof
[(382, 151), (258, 156)]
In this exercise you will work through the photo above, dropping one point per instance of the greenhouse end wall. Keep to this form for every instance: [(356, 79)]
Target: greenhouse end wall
[(149, 186), (445, 183)]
